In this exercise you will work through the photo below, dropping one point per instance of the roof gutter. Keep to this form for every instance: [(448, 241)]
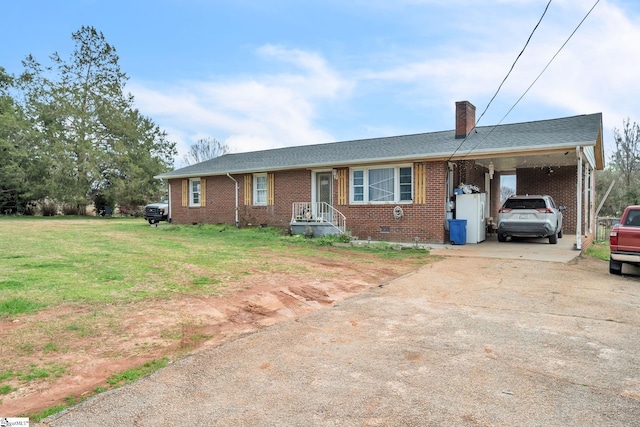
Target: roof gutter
[(528, 150)]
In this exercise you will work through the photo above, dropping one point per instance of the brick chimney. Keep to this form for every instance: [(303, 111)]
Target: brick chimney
[(465, 118)]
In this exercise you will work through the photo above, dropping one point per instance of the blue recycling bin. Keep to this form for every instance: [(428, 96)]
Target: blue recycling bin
[(458, 231)]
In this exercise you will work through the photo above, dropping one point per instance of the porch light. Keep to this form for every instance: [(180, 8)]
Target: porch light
[(491, 170)]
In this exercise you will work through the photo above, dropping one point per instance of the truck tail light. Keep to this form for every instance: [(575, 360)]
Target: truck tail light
[(613, 237)]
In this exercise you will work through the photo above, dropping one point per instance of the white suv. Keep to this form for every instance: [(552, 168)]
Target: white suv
[(530, 216)]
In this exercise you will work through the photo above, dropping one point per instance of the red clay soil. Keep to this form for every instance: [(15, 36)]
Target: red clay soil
[(91, 345)]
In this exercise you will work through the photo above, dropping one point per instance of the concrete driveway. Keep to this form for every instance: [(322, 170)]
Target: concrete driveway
[(463, 341), (531, 249)]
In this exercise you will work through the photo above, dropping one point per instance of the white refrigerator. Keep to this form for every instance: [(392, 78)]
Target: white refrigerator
[(471, 207)]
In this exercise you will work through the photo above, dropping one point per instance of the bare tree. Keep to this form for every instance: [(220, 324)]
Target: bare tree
[(626, 157), (625, 166), (205, 149), (506, 192)]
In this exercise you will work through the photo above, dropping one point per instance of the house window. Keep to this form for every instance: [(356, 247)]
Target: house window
[(358, 186), (260, 189), (406, 184), (381, 188), (194, 192), (382, 185)]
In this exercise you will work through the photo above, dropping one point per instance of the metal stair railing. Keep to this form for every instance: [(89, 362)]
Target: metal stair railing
[(318, 212)]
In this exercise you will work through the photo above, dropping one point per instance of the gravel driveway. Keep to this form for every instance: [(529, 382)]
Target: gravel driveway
[(460, 342)]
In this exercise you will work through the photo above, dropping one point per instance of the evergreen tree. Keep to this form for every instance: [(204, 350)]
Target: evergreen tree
[(14, 188), (91, 136)]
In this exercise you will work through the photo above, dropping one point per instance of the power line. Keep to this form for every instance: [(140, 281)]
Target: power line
[(535, 80), (505, 77)]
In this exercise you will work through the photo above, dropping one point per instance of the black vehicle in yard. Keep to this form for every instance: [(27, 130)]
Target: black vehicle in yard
[(530, 216), (156, 212)]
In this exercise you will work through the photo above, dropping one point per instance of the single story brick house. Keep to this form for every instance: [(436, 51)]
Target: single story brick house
[(398, 188)]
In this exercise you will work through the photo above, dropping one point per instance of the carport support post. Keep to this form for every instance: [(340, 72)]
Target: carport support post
[(579, 201)]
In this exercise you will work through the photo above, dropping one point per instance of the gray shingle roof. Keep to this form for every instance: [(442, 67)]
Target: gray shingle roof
[(541, 135)]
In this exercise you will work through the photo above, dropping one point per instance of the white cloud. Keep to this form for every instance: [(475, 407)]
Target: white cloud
[(595, 72), (266, 111)]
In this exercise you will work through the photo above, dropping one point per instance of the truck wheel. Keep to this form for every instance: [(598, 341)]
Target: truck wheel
[(502, 237), (615, 267), (152, 221), (553, 239), (560, 234)]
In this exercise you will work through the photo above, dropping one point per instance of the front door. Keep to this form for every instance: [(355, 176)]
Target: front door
[(324, 194)]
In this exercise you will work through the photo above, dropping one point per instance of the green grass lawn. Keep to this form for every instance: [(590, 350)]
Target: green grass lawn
[(599, 250), (45, 262)]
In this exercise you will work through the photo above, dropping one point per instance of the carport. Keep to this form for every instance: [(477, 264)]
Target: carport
[(555, 157)]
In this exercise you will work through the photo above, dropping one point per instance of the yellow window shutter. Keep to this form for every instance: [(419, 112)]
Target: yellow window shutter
[(185, 193), (420, 183), (271, 200), (203, 192), (248, 189), (343, 185)]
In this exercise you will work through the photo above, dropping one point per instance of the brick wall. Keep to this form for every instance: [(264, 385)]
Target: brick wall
[(220, 203), (426, 221), (468, 172), (587, 241), (290, 186), (495, 198), (561, 185)]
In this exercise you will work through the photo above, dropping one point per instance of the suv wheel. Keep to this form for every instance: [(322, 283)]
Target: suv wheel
[(502, 237), (560, 234), (553, 239)]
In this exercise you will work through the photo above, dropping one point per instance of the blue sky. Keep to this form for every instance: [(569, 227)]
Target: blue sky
[(274, 73)]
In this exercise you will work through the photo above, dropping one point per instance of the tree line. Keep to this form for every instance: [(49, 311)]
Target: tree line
[(620, 181), (70, 135)]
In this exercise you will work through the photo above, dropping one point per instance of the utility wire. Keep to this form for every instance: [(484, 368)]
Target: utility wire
[(505, 78), (536, 79)]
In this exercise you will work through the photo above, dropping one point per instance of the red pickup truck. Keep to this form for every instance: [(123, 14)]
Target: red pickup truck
[(624, 240)]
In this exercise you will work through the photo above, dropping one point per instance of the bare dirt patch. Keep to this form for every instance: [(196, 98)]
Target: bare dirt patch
[(80, 347)]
